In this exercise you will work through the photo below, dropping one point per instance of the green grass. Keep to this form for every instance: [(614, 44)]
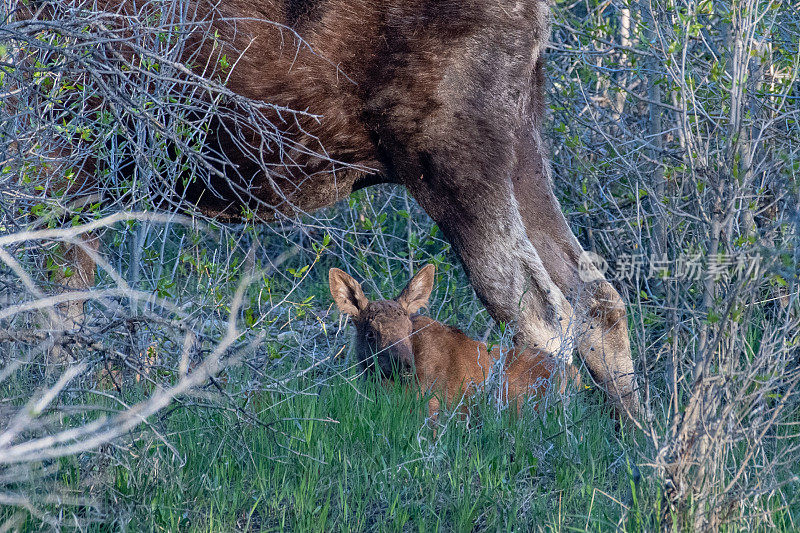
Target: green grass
[(352, 456), (342, 453)]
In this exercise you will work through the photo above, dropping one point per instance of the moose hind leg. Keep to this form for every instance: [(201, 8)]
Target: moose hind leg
[(75, 271), (81, 267)]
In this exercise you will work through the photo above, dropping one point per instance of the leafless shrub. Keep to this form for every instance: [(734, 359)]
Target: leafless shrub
[(683, 128)]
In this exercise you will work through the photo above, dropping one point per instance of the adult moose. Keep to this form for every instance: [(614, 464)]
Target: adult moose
[(442, 96)]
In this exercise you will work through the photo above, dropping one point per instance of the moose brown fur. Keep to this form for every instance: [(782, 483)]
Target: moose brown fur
[(444, 97), (392, 340)]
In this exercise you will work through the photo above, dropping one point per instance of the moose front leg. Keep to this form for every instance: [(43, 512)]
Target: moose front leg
[(605, 346), (599, 320), (485, 227)]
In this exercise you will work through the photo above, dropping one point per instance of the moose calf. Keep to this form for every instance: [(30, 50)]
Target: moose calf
[(393, 340)]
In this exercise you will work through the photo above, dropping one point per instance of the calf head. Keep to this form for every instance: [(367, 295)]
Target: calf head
[(383, 327)]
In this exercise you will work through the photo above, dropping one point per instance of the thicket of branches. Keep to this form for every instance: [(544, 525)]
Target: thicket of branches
[(674, 139), (678, 120)]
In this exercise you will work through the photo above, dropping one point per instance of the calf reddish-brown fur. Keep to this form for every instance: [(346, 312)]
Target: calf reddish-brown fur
[(442, 96), (391, 339)]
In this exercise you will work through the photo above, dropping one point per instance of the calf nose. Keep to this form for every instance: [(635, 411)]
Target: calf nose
[(404, 356), (397, 360)]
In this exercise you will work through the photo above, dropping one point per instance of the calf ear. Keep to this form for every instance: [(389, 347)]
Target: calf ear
[(346, 292), (416, 294)]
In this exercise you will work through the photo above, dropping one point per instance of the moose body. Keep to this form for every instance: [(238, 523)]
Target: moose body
[(454, 366), (392, 340), (442, 96)]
